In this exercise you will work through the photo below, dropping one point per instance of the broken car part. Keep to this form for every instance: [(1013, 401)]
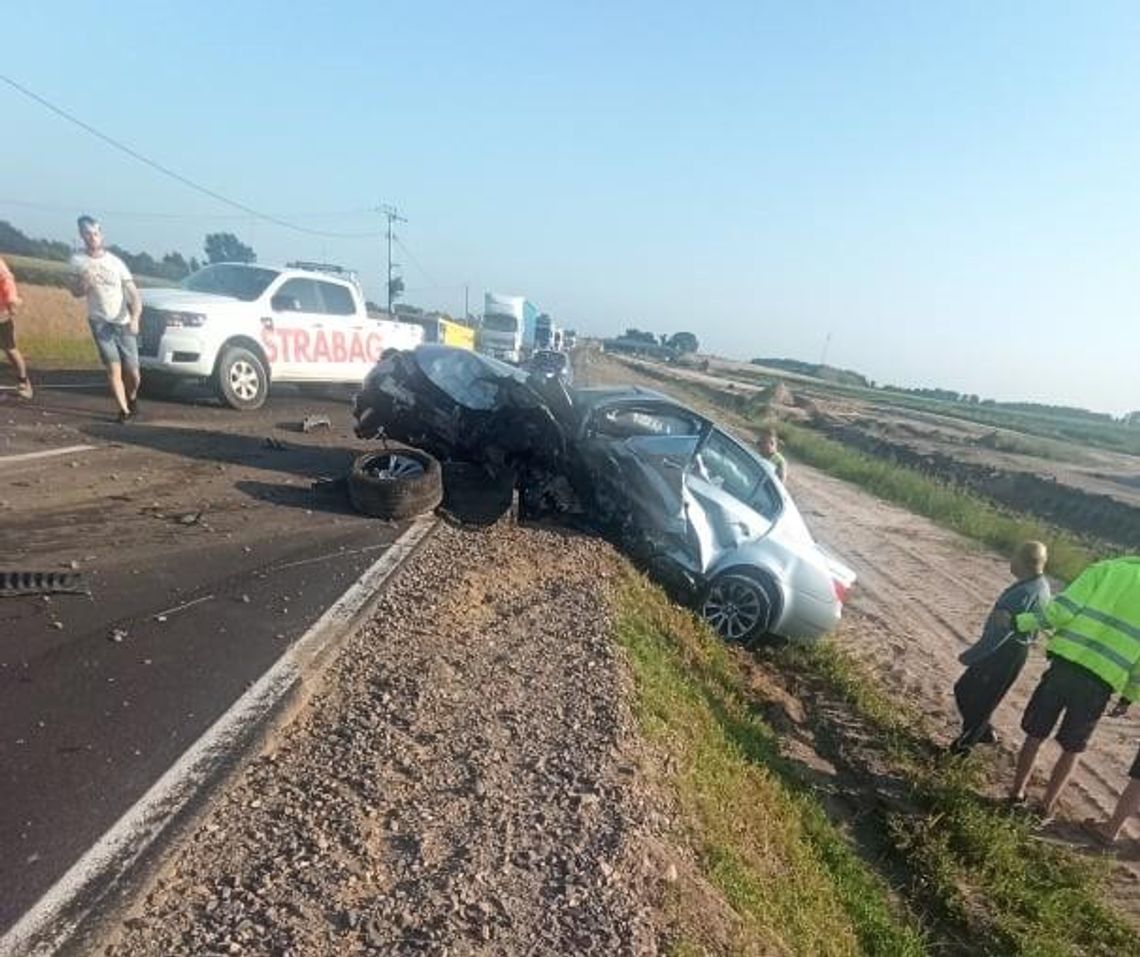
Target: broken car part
[(42, 583), (395, 484)]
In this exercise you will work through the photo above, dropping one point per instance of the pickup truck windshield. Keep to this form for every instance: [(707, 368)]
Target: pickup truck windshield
[(228, 279), (498, 323)]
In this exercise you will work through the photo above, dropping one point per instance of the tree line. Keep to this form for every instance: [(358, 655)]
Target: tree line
[(217, 247)]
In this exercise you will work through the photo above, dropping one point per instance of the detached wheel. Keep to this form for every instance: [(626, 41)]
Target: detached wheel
[(739, 607), (241, 379), (396, 484)]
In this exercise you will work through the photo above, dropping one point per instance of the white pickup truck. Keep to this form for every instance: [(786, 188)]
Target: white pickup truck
[(244, 326)]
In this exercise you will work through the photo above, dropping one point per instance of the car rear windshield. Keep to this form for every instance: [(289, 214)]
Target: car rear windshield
[(228, 279)]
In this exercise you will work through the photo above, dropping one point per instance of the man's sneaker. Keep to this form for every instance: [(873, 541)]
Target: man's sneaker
[(125, 417), (133, 405), (24, 389)]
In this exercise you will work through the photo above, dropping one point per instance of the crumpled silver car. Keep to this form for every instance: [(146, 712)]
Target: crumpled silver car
[(674, 490)]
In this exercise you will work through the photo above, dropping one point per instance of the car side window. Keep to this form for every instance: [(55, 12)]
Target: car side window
[(303, 293), (726, 465), (625, 423), (337, 299)]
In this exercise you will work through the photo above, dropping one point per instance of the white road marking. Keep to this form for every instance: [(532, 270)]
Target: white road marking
[(46, 454), (51, 921)]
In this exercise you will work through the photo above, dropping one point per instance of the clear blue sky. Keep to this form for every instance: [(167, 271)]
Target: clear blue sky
[(950, 189)]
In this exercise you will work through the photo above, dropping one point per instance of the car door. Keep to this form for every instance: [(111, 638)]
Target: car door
[(341, 345), (732, 497), (298, 315), (636, 455)]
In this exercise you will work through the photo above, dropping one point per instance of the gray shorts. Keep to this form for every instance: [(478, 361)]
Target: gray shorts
[(116, 343)]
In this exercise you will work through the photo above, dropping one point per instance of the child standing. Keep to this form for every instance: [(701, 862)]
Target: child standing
[(769, 446), (995, 661)]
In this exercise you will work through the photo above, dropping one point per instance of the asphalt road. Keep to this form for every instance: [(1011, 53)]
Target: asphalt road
[(206, 550)]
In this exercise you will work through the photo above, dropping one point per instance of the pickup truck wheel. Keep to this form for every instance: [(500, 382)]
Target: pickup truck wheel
[(395, 484), (241, 380)]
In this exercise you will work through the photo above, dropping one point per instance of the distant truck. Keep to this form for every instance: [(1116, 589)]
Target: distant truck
[(544, 333), (242, 327), (508, 328), (446, 332)]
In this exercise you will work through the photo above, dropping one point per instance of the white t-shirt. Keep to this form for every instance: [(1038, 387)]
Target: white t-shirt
[(107, 276)]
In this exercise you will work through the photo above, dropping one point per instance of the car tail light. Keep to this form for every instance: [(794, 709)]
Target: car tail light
[(841, 590)]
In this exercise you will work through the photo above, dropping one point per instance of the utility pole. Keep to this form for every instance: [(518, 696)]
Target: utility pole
[(826, 345), (466, 307), (391, 214)]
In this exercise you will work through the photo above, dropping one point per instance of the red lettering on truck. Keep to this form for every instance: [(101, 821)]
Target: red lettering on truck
[(269, 345), (339, 349)]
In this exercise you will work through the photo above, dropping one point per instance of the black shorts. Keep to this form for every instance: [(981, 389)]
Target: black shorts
[(1134, 771), (1071, 689), (7, 334)]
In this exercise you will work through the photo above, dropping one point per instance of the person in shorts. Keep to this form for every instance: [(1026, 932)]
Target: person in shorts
[(1126, 805), (114, 308), (1094, 652), (9, 300)]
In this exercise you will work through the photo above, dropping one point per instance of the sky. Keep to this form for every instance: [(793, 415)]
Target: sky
[(948, 190)]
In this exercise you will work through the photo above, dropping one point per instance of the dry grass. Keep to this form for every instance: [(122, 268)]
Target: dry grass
[(51, 329)]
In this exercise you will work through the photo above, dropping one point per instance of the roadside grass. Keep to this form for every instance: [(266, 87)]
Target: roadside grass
[(763, 840), (32, 271), (973, 867), (962, 512), (51, 329)]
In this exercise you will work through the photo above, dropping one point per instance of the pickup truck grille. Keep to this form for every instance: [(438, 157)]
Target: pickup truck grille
[(151, 327)]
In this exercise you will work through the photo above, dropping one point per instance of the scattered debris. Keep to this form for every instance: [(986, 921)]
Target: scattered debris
[(117, 635), (313, 422), (163, 615), (190, 518), (42, 583)]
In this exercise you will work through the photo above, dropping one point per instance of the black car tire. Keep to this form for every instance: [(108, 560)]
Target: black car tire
[(740, 605), (414, 486), (241, 379), (475, 496)]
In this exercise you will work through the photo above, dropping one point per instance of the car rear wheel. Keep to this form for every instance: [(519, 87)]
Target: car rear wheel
[(740, 607), (241, 379), (395, 484)]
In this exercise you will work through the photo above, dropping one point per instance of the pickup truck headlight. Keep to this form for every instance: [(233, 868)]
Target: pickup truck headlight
[(185, 320)]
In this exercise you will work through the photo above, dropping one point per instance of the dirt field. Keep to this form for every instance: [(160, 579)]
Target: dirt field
[(1089, 491), (921, 598)]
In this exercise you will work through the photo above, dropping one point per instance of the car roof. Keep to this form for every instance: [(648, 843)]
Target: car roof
[(291, 270)]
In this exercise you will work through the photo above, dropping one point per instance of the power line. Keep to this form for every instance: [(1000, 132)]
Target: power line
[(136, 214), (166, 171), (415, 262)]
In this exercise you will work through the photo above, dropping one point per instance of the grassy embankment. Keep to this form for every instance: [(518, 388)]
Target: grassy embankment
[(936, 870), (960, 511), (51, 328)]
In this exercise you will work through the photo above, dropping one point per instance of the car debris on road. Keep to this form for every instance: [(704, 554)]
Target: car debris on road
[(17, 583), (704, 512)]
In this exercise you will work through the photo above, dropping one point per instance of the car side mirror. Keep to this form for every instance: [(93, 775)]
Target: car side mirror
[(286, 303)]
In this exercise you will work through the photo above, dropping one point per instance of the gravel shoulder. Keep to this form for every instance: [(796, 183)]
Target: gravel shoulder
[(464, 781)]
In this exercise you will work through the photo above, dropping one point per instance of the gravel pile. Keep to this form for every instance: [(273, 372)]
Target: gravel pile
[(465, 782)]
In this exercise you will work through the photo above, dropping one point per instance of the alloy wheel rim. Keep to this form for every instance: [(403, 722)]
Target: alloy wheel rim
[(735, 607), (244, 380)]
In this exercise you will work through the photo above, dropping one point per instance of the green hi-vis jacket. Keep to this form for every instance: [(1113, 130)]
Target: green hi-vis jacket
[(1096, 623)]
